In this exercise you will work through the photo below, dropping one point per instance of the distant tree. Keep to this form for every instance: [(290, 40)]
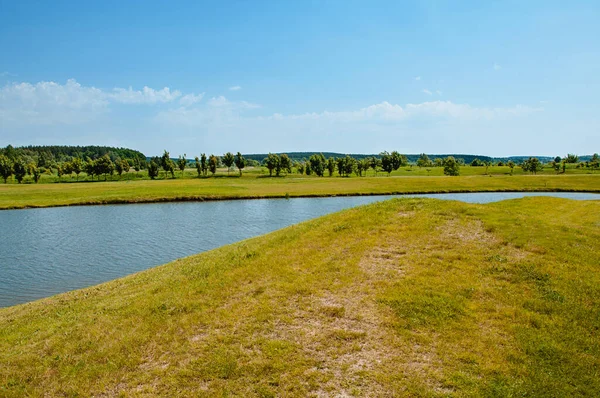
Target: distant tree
[(423, 161), (181, 163), (204, 164), (358, 170), (386, 162), (300, 167), (272, 162), (77, 164), (571, 158), (375, 164), (557, 159), (285, 164), (68, 168), (104, 166), (556, 166), (125, 166), (167, 164), (487, 165), (366, 163), (307, 168), (240, 162), (136, 165), (341, 165), (595, 162), (330, 165), (438, 162), (198, 166), (451, 166), (213, 163), (119, 167), (228, 160), (90, 167), (19, 169), (59, 170), (37, 173), (349, 164), (153, 168), (398, 160), (317, 164), (511, 165), (533, 165), (477, 163)]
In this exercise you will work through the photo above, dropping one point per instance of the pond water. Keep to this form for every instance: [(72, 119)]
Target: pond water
[(53, 250)]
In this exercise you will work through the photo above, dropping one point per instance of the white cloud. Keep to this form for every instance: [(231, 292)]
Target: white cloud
[(191, 99), (218, 101), (145, 96), (417, 78), (496, 66), (426, 91), (46, 103), (235, 88)]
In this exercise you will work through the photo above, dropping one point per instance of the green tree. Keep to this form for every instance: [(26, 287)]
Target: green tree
[(341, 166), (167, 164), (366, 163), (153, 168), (204, 164), (228, 160), (349, 164), (398, 160), (271, 162), (104, 166), (240, 162), (533, 165), (90, 168), (595, 162), (285, 164), (375, 164), (213, 163), (77, 164), (300, 167), (317, 164), (511, 165), (330, 165), (125, 165), (307, 168), (386, 162), (423, 161), (119, 167), (68, 168), (198, 166), (37, 173), (571, 158), (19, 169), (181, 163), (451, 166)]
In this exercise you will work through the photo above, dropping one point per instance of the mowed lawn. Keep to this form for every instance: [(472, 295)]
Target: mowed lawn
[(407, 297), (252, 186)]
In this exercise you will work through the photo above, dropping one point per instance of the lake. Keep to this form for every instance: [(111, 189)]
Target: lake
[(53, 250)]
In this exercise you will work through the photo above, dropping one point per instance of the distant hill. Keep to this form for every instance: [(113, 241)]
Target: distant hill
[(65, 152)]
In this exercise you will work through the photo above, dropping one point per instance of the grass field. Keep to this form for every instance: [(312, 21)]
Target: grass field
[(400, 298), (255, 185)]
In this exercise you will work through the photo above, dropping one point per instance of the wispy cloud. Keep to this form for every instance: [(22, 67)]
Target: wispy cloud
[(7, 74), (191, 99), (438, 92), (417, 78), (235, 88), (145, 96), (426, 91), (496, 66)]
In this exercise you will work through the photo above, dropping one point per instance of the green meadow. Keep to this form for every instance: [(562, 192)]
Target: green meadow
[(408, 297), (257, 184)]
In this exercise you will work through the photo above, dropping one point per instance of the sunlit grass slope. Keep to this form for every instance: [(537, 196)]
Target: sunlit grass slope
[(406, 297), (42, 195)]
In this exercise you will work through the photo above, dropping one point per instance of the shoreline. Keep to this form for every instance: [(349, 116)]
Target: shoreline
[(214, 198)]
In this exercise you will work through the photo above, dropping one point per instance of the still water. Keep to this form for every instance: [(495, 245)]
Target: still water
[(48, 251)]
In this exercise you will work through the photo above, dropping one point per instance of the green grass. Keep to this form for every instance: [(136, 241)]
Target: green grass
[(256, 185), (409, 297)]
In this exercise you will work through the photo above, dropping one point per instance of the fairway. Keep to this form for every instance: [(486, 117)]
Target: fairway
[(406, 297), (13, 196)]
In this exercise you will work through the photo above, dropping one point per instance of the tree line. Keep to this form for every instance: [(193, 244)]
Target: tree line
[(21, 162)]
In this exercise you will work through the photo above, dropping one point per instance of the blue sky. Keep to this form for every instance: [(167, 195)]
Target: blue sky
[(493, 78)]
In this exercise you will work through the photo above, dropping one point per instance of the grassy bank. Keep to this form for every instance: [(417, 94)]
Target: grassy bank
[(14, 196), (406, 297)]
